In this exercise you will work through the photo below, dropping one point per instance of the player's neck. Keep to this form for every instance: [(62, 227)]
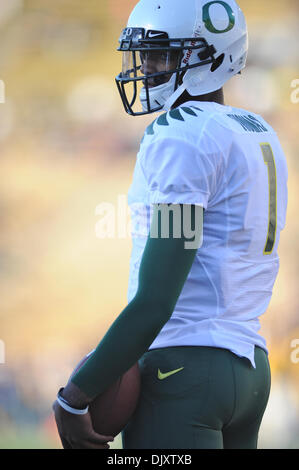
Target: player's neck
[(214, 97)]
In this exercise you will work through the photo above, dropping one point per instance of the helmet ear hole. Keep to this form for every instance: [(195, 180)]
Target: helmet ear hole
[(216, 64)]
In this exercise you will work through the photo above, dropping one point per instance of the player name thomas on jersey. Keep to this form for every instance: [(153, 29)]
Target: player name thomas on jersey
[(230, 162)]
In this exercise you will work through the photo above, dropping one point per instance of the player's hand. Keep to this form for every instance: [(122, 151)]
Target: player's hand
[(76, 431)]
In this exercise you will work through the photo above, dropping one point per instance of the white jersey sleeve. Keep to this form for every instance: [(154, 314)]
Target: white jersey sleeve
[(178, 172)]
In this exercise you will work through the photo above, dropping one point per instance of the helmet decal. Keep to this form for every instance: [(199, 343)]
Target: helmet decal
[(207, 18)]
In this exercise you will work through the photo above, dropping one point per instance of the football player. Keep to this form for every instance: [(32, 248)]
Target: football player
[(196, 290)]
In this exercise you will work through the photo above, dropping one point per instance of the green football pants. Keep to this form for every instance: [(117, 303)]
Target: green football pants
[(199, 398)]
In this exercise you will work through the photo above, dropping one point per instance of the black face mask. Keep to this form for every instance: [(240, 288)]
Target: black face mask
[(149, 63)]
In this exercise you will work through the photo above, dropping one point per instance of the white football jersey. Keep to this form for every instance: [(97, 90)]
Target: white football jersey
[(230, 162)]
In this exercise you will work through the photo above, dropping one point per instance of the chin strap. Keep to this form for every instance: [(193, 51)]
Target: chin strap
[(172, 99), (159, 96)]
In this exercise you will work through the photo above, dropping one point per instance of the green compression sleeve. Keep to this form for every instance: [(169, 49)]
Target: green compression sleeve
[(163, 271)]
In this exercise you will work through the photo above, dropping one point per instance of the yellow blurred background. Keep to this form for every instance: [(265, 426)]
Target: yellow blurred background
[(66, 146)]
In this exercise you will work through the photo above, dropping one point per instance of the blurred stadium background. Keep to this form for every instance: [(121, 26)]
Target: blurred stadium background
[(66, 147)]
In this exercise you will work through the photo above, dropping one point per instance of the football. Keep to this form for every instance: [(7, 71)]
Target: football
[(111, 411)]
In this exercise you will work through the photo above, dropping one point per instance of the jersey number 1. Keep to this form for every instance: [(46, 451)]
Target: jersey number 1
[(270, 162)]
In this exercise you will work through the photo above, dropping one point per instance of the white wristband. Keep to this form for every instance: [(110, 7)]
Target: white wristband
[(68, 408)]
